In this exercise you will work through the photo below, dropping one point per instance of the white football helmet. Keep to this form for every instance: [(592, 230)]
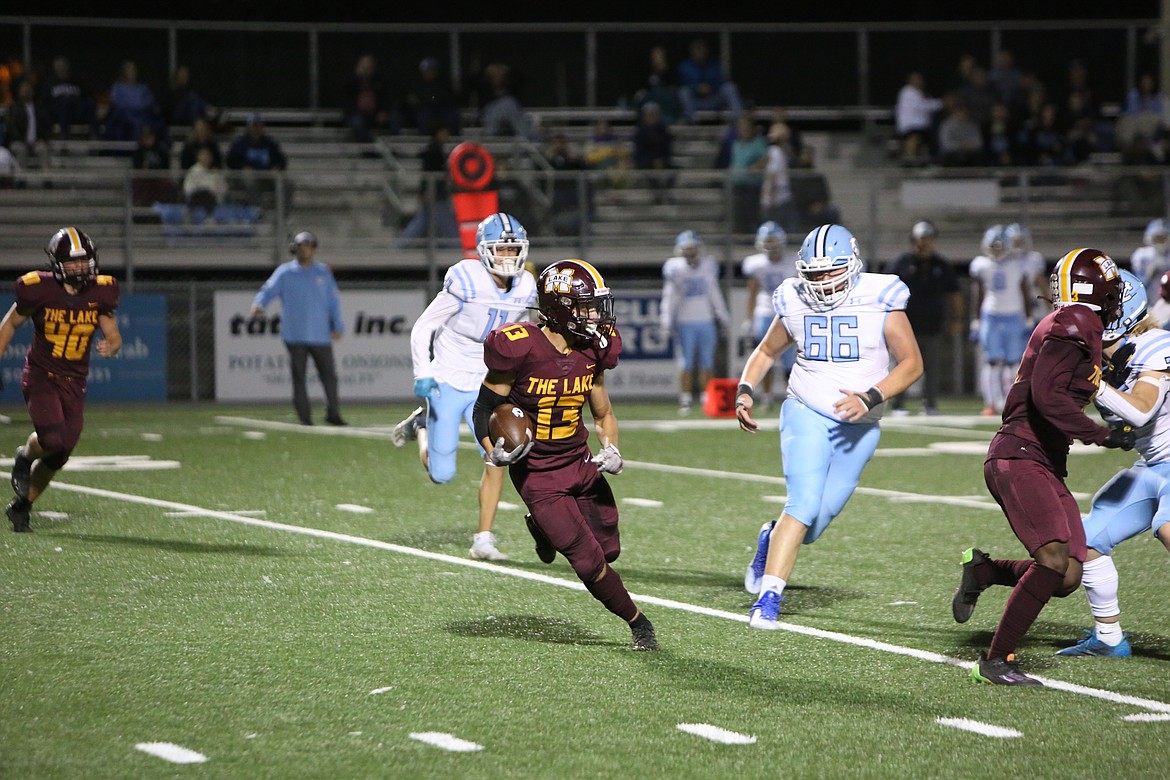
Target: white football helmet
[(1157, 234), (994, 243), (1018, 239), (1133, 307), (770, 238), (500, 231), (688, 245), (825, 250)]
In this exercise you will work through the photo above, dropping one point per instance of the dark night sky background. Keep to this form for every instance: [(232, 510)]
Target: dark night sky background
[(608, 11)]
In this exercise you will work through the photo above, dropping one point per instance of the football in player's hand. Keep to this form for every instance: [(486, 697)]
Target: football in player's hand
[(511, 423)]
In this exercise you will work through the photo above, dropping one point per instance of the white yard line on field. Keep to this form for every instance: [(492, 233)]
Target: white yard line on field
[(974, 726), (168, 751), (834, 636), (446, 741)]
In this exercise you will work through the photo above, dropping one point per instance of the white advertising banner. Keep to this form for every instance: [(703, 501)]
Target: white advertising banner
[(373, 357)]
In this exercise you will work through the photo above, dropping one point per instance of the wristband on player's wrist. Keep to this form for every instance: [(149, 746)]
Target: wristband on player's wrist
[(872, 397), (744, 388)]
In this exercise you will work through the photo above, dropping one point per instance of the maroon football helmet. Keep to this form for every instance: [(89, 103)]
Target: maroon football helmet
[(70, 245), (1089, 277), (574, 301), (1164, 288)]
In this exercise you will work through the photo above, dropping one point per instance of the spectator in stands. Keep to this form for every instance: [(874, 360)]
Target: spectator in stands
[(913, 119), (1004, 77), (9, 167), (1081, 130), (1078, 84), (132, 105), (29, 127), (702, 85), (660, 88), (503, 115), (69, 105), (653, 151), (960, 142), (430, 101), (258, 156), (978, 96), (572, 196), (434, 198), (749, 156), (1043, 140), (202, 137), (204, 186), (152, 154), (776, 201), (1145, 97), (11, 70), (182, 105), (1000, 139), (369, 106), (605, 151), (814, 204), (798, 154)]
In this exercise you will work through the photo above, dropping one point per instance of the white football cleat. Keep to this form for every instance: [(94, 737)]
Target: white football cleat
[(483, 548), (408, 429)]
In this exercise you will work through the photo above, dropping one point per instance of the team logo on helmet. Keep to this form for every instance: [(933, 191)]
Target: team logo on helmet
[(574, 301), (1091, 278), (69, 246)]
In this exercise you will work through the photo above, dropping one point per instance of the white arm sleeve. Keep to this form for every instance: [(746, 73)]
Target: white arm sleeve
[(439, 311), (1120, 404)]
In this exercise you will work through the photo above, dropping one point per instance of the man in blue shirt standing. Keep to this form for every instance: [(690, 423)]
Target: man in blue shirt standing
[(310, 322)]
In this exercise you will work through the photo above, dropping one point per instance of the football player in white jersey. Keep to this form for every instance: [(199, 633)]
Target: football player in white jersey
[(846, 325), (1136, 499), (1019, 246), (1002, 293), (764, 272), (692, 311), (446, 346), (1152, 259)]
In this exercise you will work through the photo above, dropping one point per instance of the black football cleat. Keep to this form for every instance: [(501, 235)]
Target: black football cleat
[(544, 549), (337, 420), (18, 515), (644, 640), (21, 468), (1002, 671), (963, 602)]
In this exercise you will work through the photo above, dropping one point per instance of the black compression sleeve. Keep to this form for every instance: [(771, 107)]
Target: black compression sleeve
[(485, 404)]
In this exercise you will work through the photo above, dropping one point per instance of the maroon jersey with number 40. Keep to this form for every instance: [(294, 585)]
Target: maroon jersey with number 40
[(551, 386), (64, 324)]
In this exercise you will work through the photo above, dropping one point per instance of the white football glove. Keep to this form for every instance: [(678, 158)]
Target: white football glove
[(501, 457), (609, 460)]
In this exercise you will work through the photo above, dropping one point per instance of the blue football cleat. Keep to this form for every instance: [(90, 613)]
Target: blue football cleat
[(755, 570), (1091, 645), (766, 611)]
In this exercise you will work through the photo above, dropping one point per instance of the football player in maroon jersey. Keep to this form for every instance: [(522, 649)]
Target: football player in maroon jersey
[(551, 370), (66, 304), (1027, 459)]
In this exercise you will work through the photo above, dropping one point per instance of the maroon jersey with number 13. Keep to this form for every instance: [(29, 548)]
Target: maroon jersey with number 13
[(551, 386)]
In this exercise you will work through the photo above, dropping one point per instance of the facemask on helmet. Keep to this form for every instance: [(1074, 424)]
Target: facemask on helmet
[(574, 301), (688, 245), (502, 244), (994, 243), (73, 258), (829, 263), (1091, 278), (770, 238), (1157, 234), (1133, 307)]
